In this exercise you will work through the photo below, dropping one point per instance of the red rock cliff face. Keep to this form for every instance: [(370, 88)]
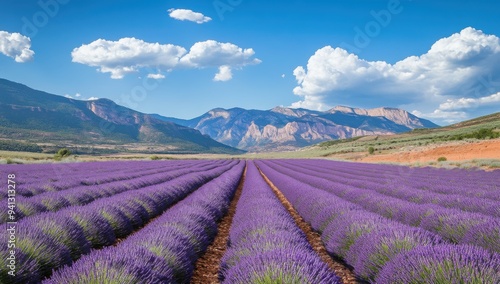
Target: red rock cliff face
[(398, 116), (286, 129), (112, 113)]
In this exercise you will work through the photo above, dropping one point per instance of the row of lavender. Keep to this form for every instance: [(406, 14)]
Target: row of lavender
[(56, 177), (47, 241), (431, 188), (381, 249), (265, 244), (165, 251), (454, 225), (389, 193), (80, 195), (423, 180)]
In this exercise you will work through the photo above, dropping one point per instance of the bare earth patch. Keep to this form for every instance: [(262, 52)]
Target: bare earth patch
[(458, 151), (207, 267)]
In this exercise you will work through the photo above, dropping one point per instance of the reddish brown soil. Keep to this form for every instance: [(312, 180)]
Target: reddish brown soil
[(207, 267), (455, 152), (314, 238)]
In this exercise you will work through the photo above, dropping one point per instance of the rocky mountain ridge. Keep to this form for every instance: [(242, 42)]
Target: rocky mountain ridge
[(38, 117), (284, 128)]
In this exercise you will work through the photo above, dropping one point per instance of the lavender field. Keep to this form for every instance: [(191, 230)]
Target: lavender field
[(234, 221)]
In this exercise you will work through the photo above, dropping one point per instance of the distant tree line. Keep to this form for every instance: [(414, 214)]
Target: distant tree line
[(481, 134), (9, 145)]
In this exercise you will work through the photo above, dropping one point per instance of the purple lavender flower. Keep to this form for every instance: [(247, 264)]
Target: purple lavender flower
[(26, 267), (486, 235), (266, 245), (343, 232), (96, 229), (171, 244), (130, 266), (62, 229), (36, 245), (372, 251), (281, 266), (442, 264)]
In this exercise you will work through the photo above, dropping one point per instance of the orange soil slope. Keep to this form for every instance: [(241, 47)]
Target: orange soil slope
[(457, 152)]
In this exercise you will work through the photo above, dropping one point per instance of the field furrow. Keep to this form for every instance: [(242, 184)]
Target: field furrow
[(208, 265)]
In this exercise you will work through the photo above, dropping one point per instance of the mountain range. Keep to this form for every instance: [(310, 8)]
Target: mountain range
[(287, 129), (38, 117), (42, 118)]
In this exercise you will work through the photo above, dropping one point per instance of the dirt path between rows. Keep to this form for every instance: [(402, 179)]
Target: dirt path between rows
[(458, 151), (207, 267), (314, 238)]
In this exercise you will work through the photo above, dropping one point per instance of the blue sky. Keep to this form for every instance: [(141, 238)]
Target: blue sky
[(437, 59)]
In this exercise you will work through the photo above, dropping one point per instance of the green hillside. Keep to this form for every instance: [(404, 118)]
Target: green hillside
[(485, 127), (33, 117)]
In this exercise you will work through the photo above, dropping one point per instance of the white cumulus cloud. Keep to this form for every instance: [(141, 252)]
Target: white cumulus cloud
[(211, 53), (127, 55), (453, 68), (156, 76), (225, 74), (17, 46), (445, 116), (454, 110), (92, 99), (465, 103), (188, 15), (225, 56)]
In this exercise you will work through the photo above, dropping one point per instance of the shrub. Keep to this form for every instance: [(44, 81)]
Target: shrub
[(154, 158), (442, 159), (13, 161), (62, 153), (371, 150)]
